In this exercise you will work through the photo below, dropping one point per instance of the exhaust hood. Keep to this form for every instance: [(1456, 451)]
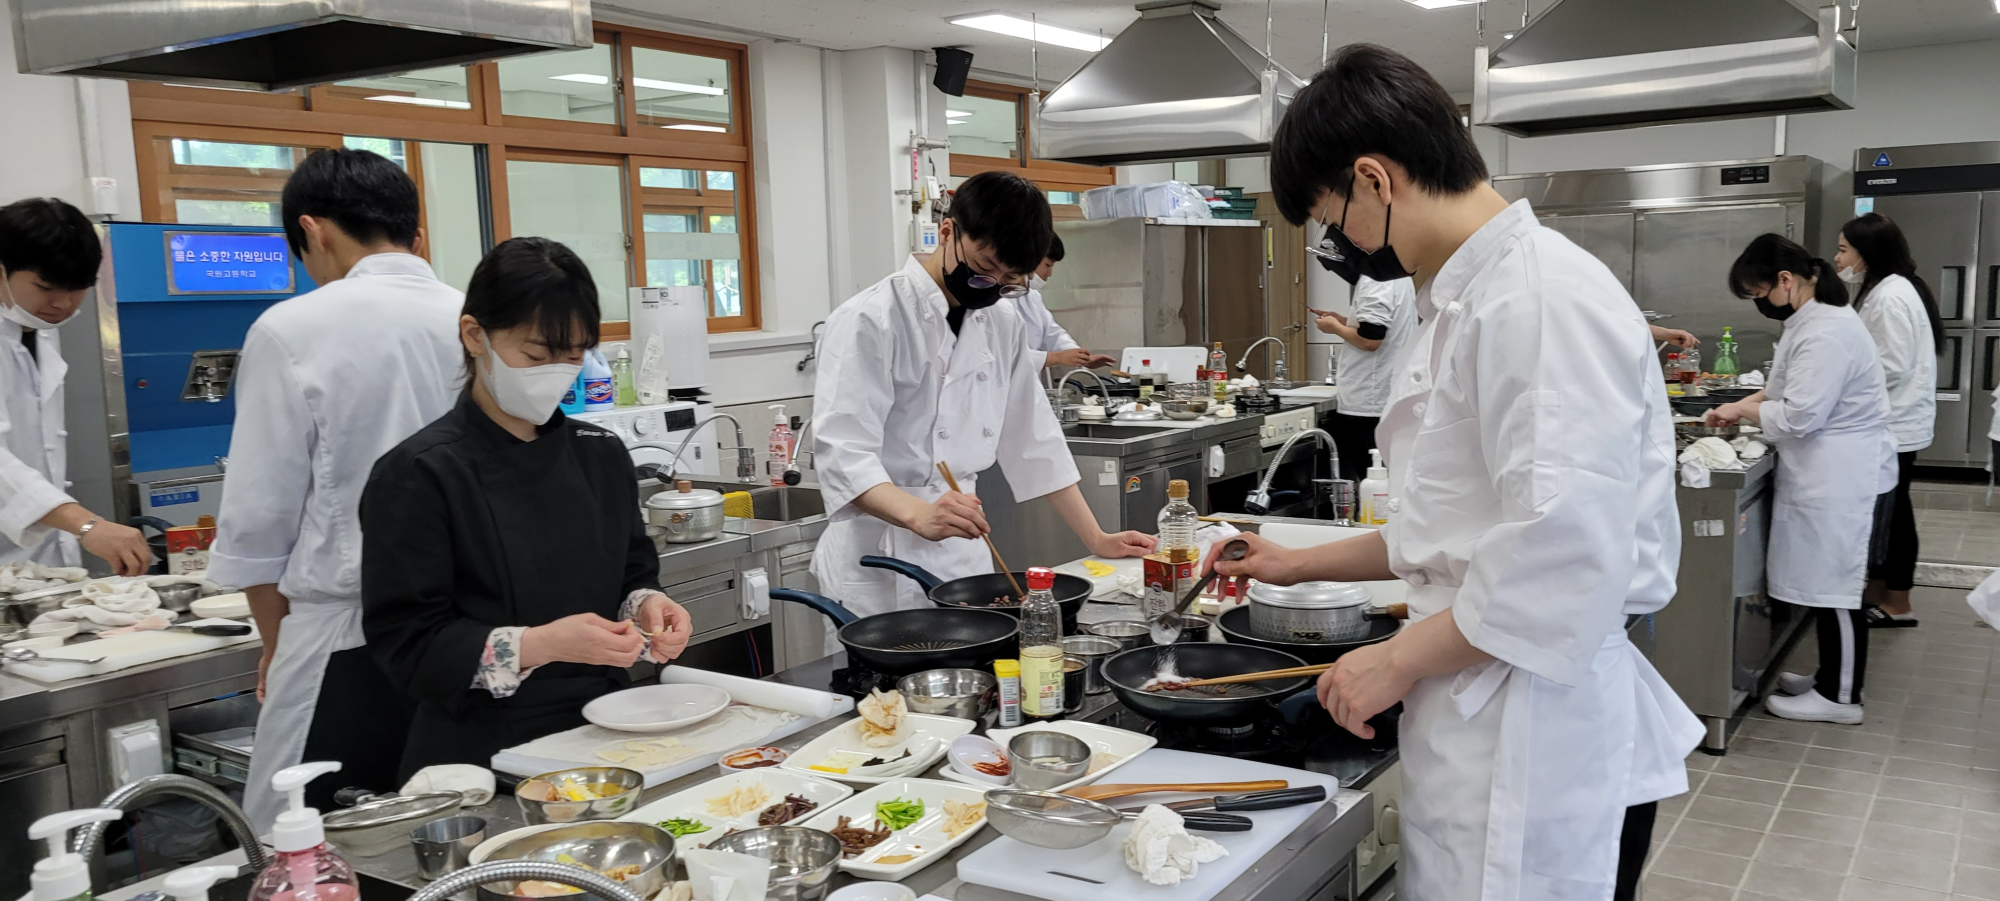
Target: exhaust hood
[(1592, 65), (278, 44), (1177, 84)]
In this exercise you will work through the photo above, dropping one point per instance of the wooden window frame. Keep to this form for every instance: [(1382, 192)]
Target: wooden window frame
[(1050, 175), (745, 198), (323, 117)]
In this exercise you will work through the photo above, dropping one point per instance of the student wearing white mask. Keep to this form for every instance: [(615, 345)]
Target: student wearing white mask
[(1044, 333), (507, 578), (49, 255)]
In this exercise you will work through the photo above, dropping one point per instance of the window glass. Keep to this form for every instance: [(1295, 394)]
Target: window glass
[(691, 234), (582, 206), (574, 86), (982, 126), (204, 182), (689, 179), (448, 176), (189, 152), (443, 87), (387, 147), (225, 212), (681, 91), (1065, 197)]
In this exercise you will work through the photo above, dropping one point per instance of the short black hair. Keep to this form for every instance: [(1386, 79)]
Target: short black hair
[(1055, 253), (51, 239), (1007, 212), (1768, 254), (1369, 101), (369, 197), (1880, 243), (539, 283)]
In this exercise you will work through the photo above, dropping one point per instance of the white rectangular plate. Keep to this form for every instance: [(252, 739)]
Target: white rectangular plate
[(692, 804), (924, 838), (1121, 745), (847, 737)]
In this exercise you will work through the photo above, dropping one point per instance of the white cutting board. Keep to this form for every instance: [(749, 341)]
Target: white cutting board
[(1101, 586), (1012, 866), (1307, 392), (1293, 535), (122, 652), (1179, 363)]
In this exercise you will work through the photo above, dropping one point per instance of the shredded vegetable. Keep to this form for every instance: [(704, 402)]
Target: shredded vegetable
[(899, 813)]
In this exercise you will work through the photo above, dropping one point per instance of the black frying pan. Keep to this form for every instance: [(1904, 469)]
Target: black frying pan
[(1235, 625), (1218, 705), (901, 642), (977, 592)]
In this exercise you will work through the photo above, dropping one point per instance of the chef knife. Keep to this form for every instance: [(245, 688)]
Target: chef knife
[(221, 630), (1264, 800)]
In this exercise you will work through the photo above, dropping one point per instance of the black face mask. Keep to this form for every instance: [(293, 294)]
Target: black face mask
[(1771, 310), (1344, 258), (959, 281)]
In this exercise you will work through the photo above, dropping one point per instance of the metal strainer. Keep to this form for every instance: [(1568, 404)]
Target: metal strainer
[(1052, 820)]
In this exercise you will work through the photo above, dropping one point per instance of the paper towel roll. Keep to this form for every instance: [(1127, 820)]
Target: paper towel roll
[(760, 693)]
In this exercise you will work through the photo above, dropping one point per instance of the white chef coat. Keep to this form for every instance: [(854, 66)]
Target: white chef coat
[(328, 381), (33, 449), (1043, 333), (1827, 416), (896, 393), (1365, 374), (1895, 318), (1530, 458)]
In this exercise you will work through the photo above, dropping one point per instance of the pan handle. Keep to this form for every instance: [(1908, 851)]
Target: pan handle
[(1217, 822), (833, 609), (923, 576), (1294, 707), (1272, 800)]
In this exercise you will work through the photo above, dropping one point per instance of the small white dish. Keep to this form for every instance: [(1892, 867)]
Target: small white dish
[(1114, 746), (56, 630), (925, 838), (967, 750), (656, 708), (873, 891), (692, 803), (221, 606), (843, 744)]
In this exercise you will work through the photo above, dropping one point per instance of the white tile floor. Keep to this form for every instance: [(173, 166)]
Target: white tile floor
[(1903, 806)]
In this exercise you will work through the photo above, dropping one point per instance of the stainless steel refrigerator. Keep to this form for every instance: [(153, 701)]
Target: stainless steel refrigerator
[(1946, 199), (1670, 232)]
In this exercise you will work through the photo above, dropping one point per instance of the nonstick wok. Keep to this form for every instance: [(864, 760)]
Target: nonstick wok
[(977, 592), (901, 642), (1235, 626), (1220, 705)]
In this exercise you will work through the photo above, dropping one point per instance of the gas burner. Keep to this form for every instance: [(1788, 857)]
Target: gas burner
[(1265, 739)]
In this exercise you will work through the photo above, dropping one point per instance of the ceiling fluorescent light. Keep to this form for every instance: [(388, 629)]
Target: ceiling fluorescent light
[(1017, 26), (422, 101), (582, 78), (680, 86), (1443, 4), (689, 126)]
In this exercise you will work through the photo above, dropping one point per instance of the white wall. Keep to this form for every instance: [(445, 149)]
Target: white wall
[(58, 131)]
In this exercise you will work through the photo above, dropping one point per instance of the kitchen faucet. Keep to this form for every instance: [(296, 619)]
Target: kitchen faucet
[(792, 475), (90, 839), (746, 460), (1259, 501), (1278, 375), (1100, 384)]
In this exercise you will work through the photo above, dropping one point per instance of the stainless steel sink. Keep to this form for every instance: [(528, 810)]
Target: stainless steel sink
[(1113, 432), (771, 502)]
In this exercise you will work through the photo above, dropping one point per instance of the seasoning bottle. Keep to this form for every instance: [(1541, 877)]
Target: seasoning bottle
[(1041, 647), (1218, 371), (1672, 368), (1145, 379), (63, 876), (1008, 672)]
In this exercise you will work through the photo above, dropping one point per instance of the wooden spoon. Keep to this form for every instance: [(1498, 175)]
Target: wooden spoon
[(1102, 792)]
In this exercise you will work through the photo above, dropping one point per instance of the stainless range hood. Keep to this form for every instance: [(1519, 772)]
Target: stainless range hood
[(277, 44), (1592, 65), (1177, 84)]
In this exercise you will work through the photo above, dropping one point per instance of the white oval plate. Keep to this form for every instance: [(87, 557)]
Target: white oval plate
[(846, 739), (692, 803), (656, 708), (925, 838), (1119, 745)]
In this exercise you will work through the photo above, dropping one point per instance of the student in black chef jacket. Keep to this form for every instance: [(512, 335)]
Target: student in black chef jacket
[(504, 559)]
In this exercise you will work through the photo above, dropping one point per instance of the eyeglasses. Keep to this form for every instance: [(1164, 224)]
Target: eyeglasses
[(1326, 250), (983, 282)]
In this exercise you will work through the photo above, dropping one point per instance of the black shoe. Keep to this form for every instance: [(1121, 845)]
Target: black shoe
[(1881, 619)]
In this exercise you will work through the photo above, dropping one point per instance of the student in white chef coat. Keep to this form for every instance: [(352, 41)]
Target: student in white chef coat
[(1385, 314), (929, 366), (49, 254), (1902, 316), (1530, 459), (328, 382), (1826, 414), (1044, 333)]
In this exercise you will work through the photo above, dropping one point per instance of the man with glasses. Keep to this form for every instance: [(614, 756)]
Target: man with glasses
[(923, 368)]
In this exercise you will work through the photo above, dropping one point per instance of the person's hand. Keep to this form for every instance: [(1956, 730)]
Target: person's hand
[(1075, 356), (952, 515), (1677, 337), (264, 667), (1364, 682), (583, 638), (1118, 545), (1727, 414), (120, 545), (669, 624), (1325, 322), (1099, 361), (1265, 562)]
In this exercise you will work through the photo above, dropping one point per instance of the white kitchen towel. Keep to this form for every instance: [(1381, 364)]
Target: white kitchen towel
[(27, 575), (112, 604), (1694, 474), (1749, 448), (474, 782), (1714, 453)]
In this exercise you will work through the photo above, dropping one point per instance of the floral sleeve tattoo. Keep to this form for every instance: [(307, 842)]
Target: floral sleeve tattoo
[(500, 669)]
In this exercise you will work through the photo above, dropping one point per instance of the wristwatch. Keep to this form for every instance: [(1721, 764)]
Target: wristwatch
[(86, 528)]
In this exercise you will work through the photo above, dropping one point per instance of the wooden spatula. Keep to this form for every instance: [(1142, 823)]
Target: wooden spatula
[(1103, 792)]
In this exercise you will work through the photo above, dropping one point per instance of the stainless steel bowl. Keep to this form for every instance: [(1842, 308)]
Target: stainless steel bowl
[(1129, 633), (177, 597), (599, 846), (802, 860), (21, 609), (612, 807), (964, 693), (1092, 650), (1044, 760), (1180, 410)]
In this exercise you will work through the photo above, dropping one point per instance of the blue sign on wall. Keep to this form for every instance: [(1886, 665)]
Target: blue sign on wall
[(228, 263)]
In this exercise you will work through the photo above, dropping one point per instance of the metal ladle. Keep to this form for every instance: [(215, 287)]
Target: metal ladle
[(1166, 627), (28, 655)]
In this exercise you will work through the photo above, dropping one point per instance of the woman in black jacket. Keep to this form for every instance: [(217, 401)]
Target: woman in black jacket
[(507, 578)]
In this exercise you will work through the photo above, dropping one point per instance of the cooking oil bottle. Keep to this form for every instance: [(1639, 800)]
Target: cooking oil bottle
[(1041, 647)]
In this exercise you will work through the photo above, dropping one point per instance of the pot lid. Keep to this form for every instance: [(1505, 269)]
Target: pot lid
[(685, 497), (384, 810), (1310, 595)]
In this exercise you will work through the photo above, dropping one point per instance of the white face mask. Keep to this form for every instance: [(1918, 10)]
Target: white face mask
[(1035, 282), (22, 317), (1853, 276), (529, 392)]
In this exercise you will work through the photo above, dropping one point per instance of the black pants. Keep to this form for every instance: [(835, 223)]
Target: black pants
[(1896, 564), (1633, 843), (1354, 437), (361, 720), (1843, 653)]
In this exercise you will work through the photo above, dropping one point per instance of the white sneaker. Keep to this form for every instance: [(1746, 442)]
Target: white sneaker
[(1813, 707), (1794, 683)]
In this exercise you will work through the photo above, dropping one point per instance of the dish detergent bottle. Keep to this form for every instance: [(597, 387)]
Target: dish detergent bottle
[(598, 391), (1375, 491), (193, 883), (63, 876), (779, 451), (304, 867)]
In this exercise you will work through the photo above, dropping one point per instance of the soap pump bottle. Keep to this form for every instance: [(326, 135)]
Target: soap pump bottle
[(304, 867), (1375, 491), (778, 454), (193, 883), (63, 875)]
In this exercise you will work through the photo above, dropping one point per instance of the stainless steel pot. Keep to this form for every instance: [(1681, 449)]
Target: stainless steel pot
[(689, 515), (177, 597), (21, 609), (1309, 611)]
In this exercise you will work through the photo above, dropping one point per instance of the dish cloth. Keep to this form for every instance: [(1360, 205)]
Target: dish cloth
[(1714, 453), (1162, 852), (109, 604), (1752, 379), (474, 782), (26, 576), (737, 504), (1748, 448)]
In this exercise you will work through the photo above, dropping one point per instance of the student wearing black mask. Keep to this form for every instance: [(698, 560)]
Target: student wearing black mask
[(927, 366)]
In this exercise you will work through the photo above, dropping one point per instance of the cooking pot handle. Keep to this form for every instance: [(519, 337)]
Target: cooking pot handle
[(923, 576), (1299, 703), (154, 522), (833, 609)]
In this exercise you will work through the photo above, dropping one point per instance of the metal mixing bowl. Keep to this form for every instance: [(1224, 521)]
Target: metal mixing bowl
[(599, 846), (177, 597), (1044, 760), (562, 811), (964, 693), (802, 860)]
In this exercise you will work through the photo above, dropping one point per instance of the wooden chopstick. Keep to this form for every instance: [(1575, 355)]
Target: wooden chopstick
[(944, 469), (1267, 675)]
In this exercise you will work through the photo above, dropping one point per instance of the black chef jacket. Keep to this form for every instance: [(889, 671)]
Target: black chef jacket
[(466, 528)]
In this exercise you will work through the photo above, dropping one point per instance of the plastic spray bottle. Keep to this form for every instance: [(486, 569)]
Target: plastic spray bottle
[(779, 451), (193, 883), (62, 876), (304, 868)]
